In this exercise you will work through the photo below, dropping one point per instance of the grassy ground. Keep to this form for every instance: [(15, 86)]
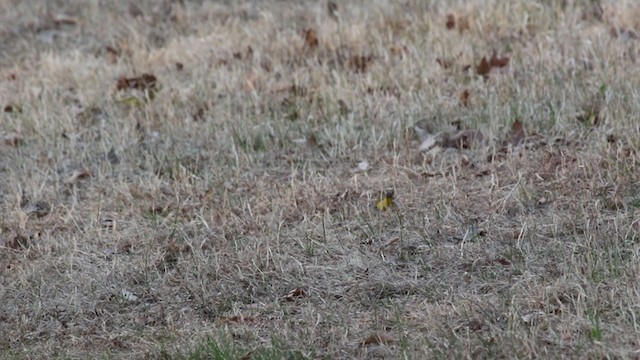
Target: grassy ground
[(188, 179)]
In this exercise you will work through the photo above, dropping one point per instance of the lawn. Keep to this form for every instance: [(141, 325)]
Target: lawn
[(319, 180)]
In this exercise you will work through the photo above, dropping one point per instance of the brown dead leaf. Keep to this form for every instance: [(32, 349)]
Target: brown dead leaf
[(360, 63), (378, 338), (516, 134), (483, 67), (296, 293), (464, 97), (498, 62), (451, 22), (310, 38), (143, 82), (399, 51), (112, 54)]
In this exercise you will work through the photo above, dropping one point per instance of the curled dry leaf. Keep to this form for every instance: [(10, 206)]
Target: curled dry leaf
[(398, 50), (483, 67), (378, 338), (295, 293), (498, 62), (360, 63), (451, 22), (464, 97), (310, 38)]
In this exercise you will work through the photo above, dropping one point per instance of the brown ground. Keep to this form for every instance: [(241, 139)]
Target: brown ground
[(176, 174)]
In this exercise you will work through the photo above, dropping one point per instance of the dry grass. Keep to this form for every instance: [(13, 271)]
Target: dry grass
[(221, 206)]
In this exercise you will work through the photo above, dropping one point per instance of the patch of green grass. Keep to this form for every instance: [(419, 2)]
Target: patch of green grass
[(211, 349)]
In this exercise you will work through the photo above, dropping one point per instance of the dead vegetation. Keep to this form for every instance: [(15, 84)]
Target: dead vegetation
[(319, 179)]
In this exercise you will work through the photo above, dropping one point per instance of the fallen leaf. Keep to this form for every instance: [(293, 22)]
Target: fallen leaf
[(516, 134), (397, 50), (498, 62), (483, 67), (310, 38), (112, 54), (451, 22), (386, 202), (463, 24), (360, 63), (378, 338), (464, 97), (295, 293)]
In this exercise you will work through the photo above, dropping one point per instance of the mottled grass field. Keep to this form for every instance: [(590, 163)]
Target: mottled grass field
[(318, 180)]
